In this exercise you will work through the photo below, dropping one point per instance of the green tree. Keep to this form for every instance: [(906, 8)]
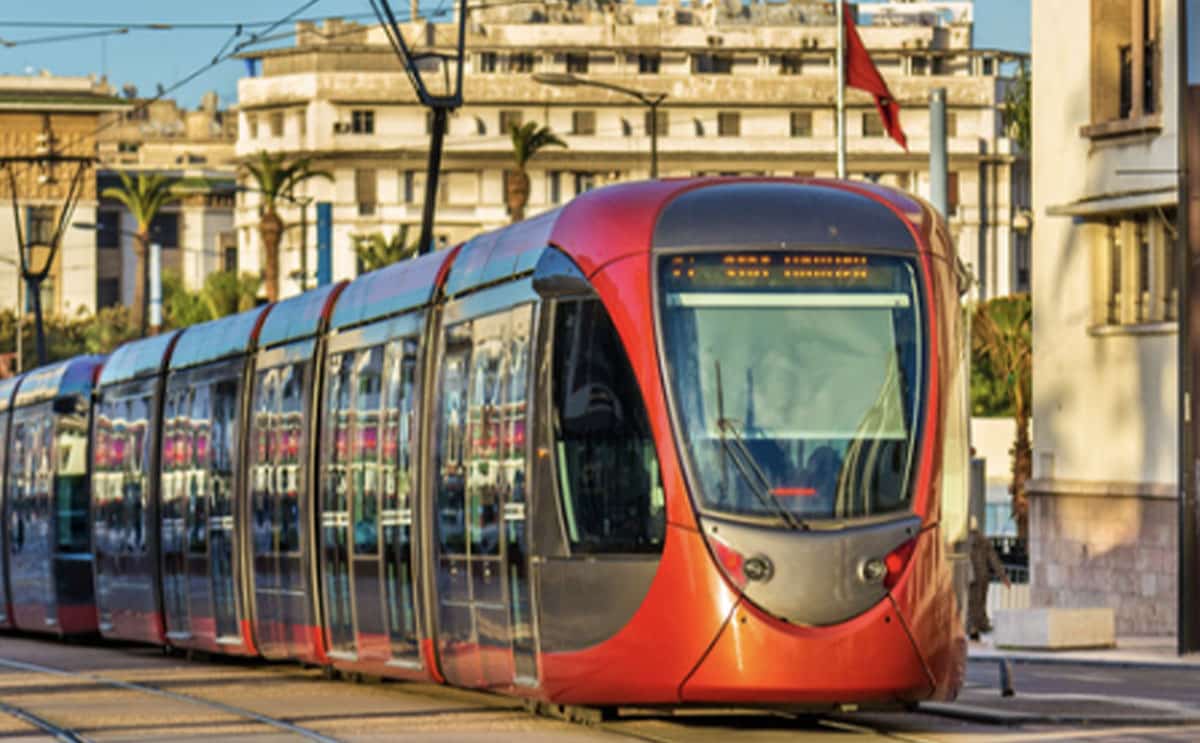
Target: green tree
[(228, 292), (376, 251), (528, 139), (109, 328), (275, 180), (1017, 110), (1002, 336), (144, 197)]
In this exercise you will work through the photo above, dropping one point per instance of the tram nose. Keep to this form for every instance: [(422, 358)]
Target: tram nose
[(809, 576)]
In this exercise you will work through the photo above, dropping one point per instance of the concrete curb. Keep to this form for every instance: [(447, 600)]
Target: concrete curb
[(995, 656), (988, 716)]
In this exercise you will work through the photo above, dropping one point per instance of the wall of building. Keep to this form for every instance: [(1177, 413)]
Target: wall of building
[(1104, 435)]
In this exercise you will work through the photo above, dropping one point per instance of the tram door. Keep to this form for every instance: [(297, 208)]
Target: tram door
[(367, 523), (335, 506), (486, 628)]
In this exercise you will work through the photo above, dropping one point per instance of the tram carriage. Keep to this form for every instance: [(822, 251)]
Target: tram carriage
[(678, 442)]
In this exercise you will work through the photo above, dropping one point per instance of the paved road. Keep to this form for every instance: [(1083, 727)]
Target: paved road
[(92, 692)]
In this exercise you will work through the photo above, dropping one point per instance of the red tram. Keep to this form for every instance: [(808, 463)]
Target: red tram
[(687, 441)]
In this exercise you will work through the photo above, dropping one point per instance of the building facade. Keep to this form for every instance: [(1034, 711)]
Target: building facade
[(52, 116), (1103, 501), (749, 89), (194, 148)]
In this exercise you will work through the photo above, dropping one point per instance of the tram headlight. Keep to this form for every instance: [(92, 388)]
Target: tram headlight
[(872, 570), (758, 568)]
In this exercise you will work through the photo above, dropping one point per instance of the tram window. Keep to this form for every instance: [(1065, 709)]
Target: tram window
[(71, 491), (198, 480), (451, 524), (365, 457), (609, 479), (261, 470), (291, 440)]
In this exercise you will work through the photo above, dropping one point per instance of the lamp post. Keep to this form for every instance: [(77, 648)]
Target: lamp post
[(154, 295), (650, 100)]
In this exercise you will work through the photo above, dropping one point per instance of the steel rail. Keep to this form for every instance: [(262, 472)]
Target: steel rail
[(65, 735), (276, 723)]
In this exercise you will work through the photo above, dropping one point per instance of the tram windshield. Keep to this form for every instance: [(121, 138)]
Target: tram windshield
[(797, 379)]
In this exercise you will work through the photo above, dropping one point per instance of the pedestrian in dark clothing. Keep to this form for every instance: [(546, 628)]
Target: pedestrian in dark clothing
[(985, 565)]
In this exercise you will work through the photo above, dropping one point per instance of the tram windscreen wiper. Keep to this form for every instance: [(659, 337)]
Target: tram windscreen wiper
[(747, 466)]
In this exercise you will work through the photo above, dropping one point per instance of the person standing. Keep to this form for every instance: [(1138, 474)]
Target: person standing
[(985, 565)]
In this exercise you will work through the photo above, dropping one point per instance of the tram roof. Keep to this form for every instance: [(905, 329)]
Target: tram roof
[(390, 290), (501, 254), (70, 377), (613, 222), (218, 339), (140, 358), (298, 317), (7, 388)]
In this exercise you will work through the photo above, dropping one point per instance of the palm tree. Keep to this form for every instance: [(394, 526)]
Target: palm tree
[(376, 251), (276, 179), (527, 139), (144, 198), (1002, 332)]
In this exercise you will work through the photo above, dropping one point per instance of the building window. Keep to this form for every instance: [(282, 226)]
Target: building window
[(584, 182), (661, 122), (951, 124), (39, 225), (362, 121), (128, 148), (920, 65), (520, 62), (302, 123), (648, 64), (229, 251), (365, 182), (801, 123), (729, 124), (712, 64), (583, 122), (108, 292), (790, 64), (872, 124), (1022, 260), (952, 195), (1125, 59), (699, 126), (554, 186), (1139, 281), (487, 61), (165, 229), (577, 63), (252, 126), (412, 183), (108, 234), (510, 119), (276, 123)]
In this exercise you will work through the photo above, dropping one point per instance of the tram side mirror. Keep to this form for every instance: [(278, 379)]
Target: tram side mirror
[(556, 275)]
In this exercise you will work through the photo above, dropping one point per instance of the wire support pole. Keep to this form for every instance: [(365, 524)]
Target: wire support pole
[(841, 88), (437, 135)]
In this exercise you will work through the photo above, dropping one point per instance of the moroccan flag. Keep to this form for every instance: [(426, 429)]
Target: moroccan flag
[(861, 73)]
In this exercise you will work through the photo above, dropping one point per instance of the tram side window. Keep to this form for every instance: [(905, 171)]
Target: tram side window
[(18, 473), (365, 458), (611, 490), (262, 438), (293, 445), (70, 487), (200, 431)]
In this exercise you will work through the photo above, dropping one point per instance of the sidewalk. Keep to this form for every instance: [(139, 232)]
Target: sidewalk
[(1140, 682), (1130, 652)]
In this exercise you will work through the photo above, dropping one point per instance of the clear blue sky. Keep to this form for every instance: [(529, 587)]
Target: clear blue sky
[(149, 57)]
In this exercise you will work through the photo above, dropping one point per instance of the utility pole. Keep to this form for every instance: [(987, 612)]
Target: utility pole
[(939, 172), (45, 161), (440, 105), (841, 88)]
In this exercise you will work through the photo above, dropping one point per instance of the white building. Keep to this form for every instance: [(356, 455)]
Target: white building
[(750, 90), (1103, 527)]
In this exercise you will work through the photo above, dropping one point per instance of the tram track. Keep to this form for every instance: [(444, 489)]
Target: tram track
[(70, 736), (59, 733)]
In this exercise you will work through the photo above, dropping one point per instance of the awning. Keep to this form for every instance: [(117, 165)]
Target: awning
[(1116, 203)]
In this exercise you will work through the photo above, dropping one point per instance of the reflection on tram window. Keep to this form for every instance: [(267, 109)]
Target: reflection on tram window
[(291, 441), (797, 382), (364, 460), (71, 491), (612, 496), (198, 432), (451, 524)]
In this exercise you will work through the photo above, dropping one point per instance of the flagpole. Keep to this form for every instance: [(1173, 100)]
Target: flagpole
[(841, 88)]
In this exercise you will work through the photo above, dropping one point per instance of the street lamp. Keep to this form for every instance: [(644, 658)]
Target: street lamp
[(651, 100), (154, 296)]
